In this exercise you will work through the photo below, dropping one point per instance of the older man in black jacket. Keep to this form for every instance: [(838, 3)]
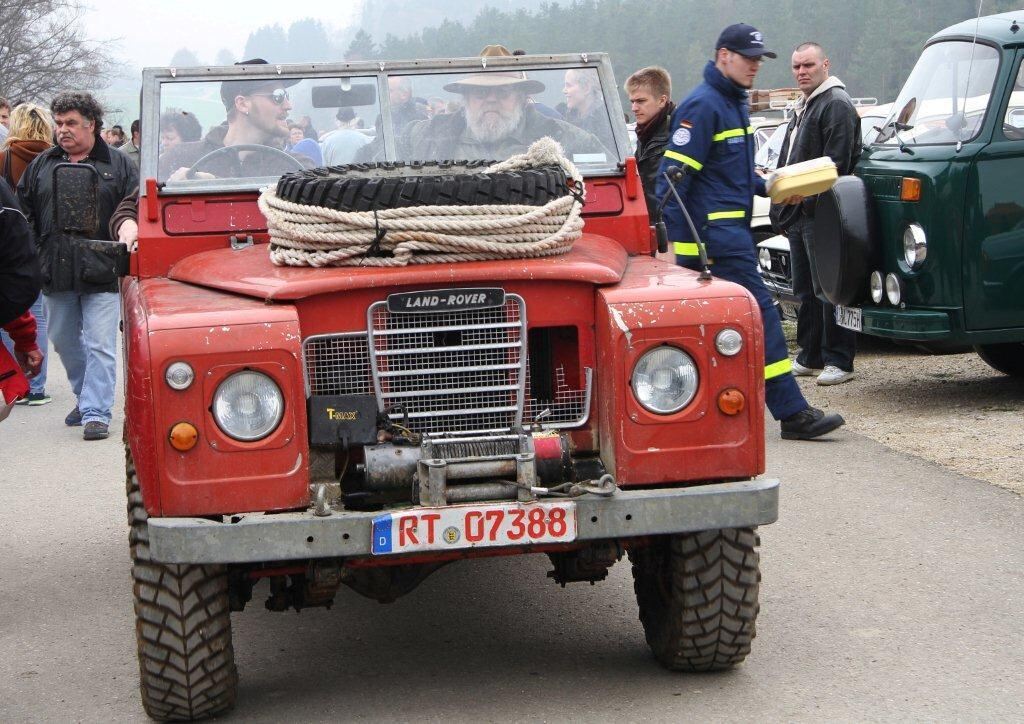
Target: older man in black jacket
[(825, 124), (650, 94), (80, 294)]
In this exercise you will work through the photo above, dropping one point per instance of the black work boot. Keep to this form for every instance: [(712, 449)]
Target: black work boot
[(809, 424)]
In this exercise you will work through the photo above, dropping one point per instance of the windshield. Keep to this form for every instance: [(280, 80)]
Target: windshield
[(767, 156), (946, 97), (256, 130)]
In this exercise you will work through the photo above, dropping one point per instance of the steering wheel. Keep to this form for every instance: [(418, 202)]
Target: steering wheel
[(237, 150)]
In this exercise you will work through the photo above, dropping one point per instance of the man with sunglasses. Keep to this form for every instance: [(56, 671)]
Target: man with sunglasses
[(256, 115), (712, 143), (497, 121)]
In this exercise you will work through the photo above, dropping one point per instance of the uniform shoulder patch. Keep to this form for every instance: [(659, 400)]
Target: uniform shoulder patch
[(681, 136), (683, 123)]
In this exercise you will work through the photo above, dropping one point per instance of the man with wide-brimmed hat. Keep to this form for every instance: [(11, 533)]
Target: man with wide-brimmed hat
[(497, 120)]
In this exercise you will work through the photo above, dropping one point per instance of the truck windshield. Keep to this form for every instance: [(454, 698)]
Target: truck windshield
[(253, 130), (946, 97)]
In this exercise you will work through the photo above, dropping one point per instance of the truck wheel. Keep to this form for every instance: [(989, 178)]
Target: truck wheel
[(1007, 358), (697, 595), (365, 187), (182, 628), (845, 240)]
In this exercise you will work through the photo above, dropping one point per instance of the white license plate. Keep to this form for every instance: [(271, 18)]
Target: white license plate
[(474, 526), (849, 317)]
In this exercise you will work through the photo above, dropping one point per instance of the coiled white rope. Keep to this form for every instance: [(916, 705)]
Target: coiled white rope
[(302, 235)]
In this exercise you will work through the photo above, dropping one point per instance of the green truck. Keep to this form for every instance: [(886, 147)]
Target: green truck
[(925, 244)]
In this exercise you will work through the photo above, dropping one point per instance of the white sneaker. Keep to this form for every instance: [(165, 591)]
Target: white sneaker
[(832, 375), (800, 371)]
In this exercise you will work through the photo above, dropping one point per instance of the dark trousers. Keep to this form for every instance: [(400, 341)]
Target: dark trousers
[(781, 393), (822, 341)]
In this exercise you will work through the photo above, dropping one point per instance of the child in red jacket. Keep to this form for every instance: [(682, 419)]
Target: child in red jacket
[(29, 358)]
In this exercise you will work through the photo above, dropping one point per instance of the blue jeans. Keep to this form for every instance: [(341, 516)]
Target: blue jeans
[(83, 329), (37, 384)]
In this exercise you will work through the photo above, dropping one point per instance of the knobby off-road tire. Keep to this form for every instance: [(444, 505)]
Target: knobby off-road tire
[(366, 187), (697, 595), (182, 627)]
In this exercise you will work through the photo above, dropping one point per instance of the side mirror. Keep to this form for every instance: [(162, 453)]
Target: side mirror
[(76, 216), (76, 199)]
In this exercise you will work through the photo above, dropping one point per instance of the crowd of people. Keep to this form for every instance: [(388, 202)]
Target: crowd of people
[(703, 149)]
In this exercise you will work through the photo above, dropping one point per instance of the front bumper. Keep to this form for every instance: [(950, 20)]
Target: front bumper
[(256, 538)]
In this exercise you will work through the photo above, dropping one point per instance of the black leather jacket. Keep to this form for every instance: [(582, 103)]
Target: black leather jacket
[(63, 268), (648, 160), (829, 126)]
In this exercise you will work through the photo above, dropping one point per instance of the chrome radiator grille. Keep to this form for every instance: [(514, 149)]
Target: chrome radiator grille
[(452, 371), (339, 364)]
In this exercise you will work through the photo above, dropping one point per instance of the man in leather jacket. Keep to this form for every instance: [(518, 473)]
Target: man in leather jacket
[(80, 291), (650, 98), (825, 124)]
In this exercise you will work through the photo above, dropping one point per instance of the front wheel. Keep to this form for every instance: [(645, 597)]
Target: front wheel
[(697, 595), (182, 626), (1007, 358)]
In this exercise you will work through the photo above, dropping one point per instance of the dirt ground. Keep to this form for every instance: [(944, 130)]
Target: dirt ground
[(953, 410)]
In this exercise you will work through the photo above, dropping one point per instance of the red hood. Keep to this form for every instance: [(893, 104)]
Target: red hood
[(593, 259)]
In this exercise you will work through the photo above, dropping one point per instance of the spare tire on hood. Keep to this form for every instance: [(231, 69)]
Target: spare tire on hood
[(845, 240)]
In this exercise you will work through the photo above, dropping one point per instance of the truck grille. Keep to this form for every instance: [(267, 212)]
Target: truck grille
[(463, 371), (444, 372)]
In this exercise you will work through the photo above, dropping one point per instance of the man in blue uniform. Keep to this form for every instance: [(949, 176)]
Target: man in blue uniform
[(712, 141)]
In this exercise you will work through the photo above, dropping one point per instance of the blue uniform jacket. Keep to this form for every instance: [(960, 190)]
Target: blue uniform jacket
[(712, 140)]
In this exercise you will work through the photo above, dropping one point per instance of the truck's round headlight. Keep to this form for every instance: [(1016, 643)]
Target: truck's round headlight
[(665, 380), (915, 246), (248, 406), (729, 342), (765, 258), (877, 287)]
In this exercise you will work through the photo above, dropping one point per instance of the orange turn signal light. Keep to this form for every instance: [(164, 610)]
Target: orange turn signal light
[(910, 189), (731, 401), (184, 436)]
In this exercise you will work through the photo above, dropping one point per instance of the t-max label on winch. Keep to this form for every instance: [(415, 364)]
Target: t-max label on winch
[(445, 300)]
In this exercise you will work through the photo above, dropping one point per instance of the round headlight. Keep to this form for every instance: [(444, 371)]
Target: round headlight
[(665, 380), (179, 375), (765, 257), (729, 342), (877, 287), (248, 406), (915, 246), (892, 289)]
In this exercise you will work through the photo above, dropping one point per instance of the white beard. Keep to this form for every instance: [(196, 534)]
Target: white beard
[(492, 127)]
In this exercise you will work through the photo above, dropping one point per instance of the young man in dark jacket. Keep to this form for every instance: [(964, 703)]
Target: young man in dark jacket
[(713, 144), (80, 294), (825, 124), (650, 94)]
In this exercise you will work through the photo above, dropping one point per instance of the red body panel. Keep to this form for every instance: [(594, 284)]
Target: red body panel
[(217, 335), (593, 259), (195, 299), (658, 303)]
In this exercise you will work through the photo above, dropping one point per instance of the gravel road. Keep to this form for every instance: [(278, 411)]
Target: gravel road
[(952, 410)]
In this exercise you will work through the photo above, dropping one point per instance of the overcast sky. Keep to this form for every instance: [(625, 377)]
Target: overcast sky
[(151, 30)]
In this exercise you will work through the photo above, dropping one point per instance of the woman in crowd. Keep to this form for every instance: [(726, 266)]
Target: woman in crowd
[(31, 133)]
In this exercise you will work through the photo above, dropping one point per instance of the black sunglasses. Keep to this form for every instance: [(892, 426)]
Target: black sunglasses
[(278, 97)]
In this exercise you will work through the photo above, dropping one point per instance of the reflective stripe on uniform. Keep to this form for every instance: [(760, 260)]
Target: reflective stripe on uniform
[(696, 165), (730, 133), (726, 215), (685, 248), (777, 369)]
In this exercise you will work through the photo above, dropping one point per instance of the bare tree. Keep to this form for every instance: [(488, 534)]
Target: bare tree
[(43, 50)]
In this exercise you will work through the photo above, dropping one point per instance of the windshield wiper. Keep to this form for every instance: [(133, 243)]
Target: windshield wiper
[(896, 128)]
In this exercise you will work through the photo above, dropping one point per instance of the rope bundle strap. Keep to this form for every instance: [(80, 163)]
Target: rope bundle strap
[(302, 235)]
